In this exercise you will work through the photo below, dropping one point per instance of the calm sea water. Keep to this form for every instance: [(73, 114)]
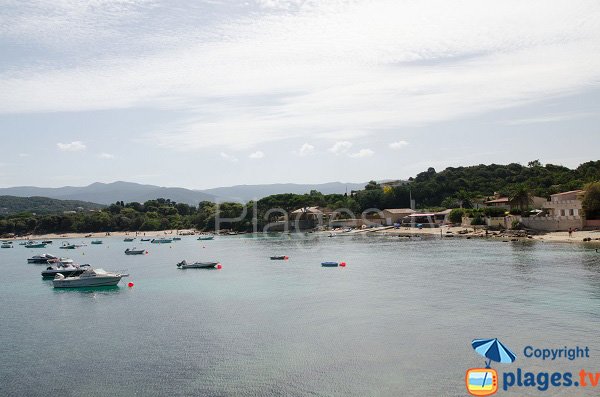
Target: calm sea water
[(397, 321)]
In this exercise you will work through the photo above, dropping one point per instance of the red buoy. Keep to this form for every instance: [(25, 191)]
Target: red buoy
[(130, 284), (286, 257), (343, 264), (219, 266)]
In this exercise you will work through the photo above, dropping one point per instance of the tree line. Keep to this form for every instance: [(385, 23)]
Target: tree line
[(451, 188)]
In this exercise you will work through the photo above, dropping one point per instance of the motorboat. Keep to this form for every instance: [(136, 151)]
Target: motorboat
[(279, 258), (42, 259), (197, 265), (145, 239), (128, 239), (67, 246), (330, 264), (134, 251), (34, 244), (66, 270), (6, 245), (47, 242), (97, 242), (89, 278), (206, 237), (161, 241)]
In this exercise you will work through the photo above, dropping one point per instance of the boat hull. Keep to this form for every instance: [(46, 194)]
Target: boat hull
[(81, 283), (329, 264)]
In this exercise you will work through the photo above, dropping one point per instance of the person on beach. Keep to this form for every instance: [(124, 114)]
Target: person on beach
[(570, 232)]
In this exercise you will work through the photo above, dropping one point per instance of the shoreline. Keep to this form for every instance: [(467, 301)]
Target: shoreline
[(443, 232)]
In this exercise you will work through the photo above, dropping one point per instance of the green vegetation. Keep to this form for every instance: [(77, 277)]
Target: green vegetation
[(591, 201), (452, 188), (42, 205)]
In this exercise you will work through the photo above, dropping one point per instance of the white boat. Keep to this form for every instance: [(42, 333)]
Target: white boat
[(89, 278), (43, 259), (197, 265)]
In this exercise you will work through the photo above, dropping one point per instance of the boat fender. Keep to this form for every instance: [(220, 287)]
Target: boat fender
[(59, 276)]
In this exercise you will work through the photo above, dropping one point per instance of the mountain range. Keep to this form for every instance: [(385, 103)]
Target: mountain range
[(107, 193)]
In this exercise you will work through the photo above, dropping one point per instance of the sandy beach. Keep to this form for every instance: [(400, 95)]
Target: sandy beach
[(443, 232)]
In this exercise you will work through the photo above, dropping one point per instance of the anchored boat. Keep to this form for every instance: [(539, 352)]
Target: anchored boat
[(197, 265), (89, 278)]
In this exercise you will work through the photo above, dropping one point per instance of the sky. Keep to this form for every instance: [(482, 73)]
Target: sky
[(220, 92)]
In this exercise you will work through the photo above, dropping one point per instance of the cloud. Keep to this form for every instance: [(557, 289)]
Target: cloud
[(398, 145), (282, 69), (306, 150), (229, 157), (550, 118), (362, 153), (257, 155), (106, 156), (75, 146), (340, 147)]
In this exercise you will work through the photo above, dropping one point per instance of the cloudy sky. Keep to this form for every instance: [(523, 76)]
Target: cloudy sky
[(221, 92)]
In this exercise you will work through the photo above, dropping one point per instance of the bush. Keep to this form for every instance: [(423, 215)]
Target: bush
[(494, 212), (515, 211), (515, 224), (456, 215)]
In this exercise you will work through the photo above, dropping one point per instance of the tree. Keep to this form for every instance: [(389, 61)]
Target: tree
[(591, 201), (456, 215), (534, 163), (520, 195)]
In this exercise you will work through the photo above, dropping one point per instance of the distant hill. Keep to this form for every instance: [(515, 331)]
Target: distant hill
[(108, 193), (251, 192), (42, 205)]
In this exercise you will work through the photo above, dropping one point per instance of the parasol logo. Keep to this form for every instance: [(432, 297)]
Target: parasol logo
[(484, 381)]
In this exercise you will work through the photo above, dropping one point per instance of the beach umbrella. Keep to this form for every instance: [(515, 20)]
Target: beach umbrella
[(493, 350)]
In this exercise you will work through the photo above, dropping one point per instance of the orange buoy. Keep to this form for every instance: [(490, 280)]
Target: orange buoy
[(219, 266), (130, 284)]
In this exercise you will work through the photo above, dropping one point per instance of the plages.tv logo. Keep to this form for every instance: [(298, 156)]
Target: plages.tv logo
[(484, 381)]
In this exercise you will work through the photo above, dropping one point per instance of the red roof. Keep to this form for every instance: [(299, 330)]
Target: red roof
[(500, 200)]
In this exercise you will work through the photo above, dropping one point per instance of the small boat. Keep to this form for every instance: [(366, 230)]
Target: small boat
[(42, 259), (330, 264), (96, 242), (6, 245), (176, 238), (206, 238), (145, 239), (47, 242), (134, 251), (35, 245), (197, 265), (67, 246), (128, 239), (161, 241), (66, 270), (279, 258), (89, 278)]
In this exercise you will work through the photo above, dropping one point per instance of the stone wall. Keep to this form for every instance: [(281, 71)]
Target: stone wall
[(551, 224)]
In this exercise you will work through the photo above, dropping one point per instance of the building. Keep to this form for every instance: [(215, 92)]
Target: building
[(567, 204), (395, 215), (507, 204), (562, 212)]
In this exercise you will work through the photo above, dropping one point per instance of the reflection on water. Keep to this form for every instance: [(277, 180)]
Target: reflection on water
[(401, 311)]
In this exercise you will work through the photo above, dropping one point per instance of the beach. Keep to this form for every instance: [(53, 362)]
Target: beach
[(443, 232)]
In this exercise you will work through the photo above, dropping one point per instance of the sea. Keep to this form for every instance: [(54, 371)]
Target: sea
[(397, 320)]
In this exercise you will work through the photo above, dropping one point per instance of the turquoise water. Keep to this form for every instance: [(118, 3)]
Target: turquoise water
[(397, 321)]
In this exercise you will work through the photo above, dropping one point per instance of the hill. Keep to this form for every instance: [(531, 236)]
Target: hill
[(42, 205), (246, 193), (107, 193)]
